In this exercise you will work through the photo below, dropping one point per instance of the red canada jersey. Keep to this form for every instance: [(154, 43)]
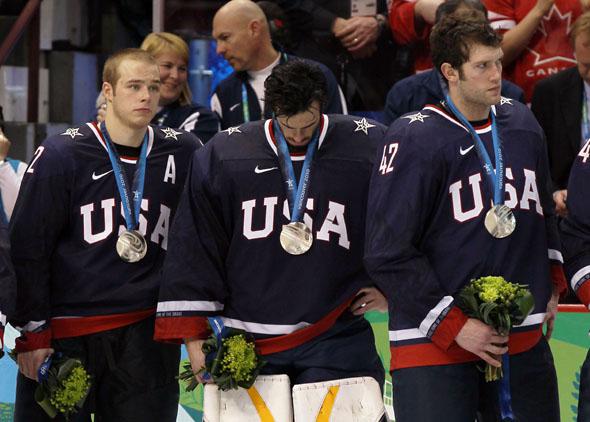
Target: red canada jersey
[(549, 50)]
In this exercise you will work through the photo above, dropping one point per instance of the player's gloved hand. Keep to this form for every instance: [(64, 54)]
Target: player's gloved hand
[(196, 357), (368, 299), (483, 341), (29, 362)]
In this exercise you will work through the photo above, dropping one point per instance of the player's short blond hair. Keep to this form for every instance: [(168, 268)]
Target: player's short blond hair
[(110, 71), (157, 43)]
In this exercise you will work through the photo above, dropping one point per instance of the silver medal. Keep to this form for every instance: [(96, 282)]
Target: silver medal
[(500, 221), (131, 246), (296, 238)]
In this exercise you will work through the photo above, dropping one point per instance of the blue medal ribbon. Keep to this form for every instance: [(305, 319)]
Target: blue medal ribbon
[(495, 178), (131, 214), (296, 192), (504, 396)]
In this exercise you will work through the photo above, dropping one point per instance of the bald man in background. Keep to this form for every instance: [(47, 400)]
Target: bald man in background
[(243, 39)]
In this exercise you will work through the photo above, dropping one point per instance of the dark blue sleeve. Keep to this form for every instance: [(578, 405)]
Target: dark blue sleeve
[(513, 91), (7, 282), (40, 215), (207, 124), (336, 103), (193, 284), (575, 228)]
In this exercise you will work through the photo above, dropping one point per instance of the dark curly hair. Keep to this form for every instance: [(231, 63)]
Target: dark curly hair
[(293, 86), (452, 37)]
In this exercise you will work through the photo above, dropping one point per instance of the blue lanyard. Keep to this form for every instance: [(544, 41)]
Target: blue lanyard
[(131, 219), (245, 105), (495, 178), (585, 119), (296, 192)]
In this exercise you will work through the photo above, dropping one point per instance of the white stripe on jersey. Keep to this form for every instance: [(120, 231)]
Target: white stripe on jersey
[(415, 333), (268, 329), (31, 326), (580, 274), (2, 319), (555, 255), (189, 305), (434, 314)]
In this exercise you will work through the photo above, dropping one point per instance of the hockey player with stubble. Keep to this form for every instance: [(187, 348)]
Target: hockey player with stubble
[(243, 250), (463, 192), (89, 234)]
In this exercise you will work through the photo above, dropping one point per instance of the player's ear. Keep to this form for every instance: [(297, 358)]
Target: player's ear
[(107, 91), (449, 72)]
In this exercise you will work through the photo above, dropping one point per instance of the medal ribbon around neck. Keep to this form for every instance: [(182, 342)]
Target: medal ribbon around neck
[(131, 215), (495, 178), (296, 192)]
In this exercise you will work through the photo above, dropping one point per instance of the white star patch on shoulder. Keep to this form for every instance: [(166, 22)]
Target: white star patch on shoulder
[(504, 100), (171, 133), (72, 132), (416, 117), (231, 130), (363, 125)]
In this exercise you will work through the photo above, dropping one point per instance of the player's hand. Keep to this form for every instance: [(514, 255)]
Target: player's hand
[(359, 32), (196, 357), (560, 198), (426, 10), (29, 362), (483, 341), (550, 314), (4, 145), (368, 299)]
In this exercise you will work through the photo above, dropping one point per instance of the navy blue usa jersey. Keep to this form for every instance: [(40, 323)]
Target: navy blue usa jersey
[(425, 228), (225, 257), (65, 225), (575, 228)]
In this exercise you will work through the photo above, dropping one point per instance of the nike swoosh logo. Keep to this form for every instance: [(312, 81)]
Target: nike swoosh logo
[(466, 150), (259, 170), (234, 106), (98, 176)]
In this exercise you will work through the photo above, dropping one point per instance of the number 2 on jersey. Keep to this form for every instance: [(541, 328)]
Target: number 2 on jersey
[(35, 158), (389, 152)]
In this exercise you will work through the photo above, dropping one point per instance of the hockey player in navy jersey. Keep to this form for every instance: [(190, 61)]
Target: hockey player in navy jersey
[(575, 232), (239, 250), (460, 191), (89, 234)]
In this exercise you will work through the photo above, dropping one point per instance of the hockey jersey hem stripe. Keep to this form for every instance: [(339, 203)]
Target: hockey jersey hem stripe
[(64, 327), (32, 341), (265, 329), (583, 293), (427, 354), (290, 341), (180, 306)]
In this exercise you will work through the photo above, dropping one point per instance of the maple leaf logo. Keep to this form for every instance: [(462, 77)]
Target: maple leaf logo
[(551, 41)]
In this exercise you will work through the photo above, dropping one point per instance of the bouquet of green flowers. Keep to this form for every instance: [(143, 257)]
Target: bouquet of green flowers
[(63, 385), (231, 360), (497, 303)]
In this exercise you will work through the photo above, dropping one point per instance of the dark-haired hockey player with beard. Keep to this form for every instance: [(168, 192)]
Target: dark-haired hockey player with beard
[(269, 236), (462, 192), (89, 234)]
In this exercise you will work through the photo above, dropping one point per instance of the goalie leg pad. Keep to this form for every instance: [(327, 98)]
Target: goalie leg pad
[(350, 399), (268, 400)]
